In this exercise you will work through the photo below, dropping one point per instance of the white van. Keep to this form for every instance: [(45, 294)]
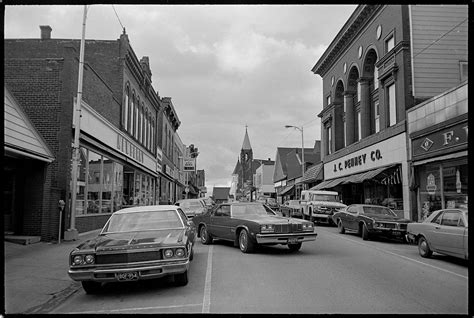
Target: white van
[(319, 206)]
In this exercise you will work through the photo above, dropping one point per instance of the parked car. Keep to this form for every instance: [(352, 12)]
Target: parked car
[(371, 220), (319, 206), (292, 209), (192, 207), (444, 231), (271, 202), (249, 224), (136, 243)]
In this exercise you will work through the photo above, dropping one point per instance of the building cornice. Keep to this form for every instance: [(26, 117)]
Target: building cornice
[(354, 25)]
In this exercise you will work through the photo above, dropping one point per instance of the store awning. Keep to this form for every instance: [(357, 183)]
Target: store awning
[(328, 184), (368, 175), (355, 178), (287, 189), (313, 173)]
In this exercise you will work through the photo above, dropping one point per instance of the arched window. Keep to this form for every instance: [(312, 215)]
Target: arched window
[(137, 105), (140, 114), (142, 123), (153, 135), (146, 129), (126, 107), (132, 114)]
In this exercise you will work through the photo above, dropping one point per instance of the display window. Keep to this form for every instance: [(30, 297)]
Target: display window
[(105, 186), (442, 185)]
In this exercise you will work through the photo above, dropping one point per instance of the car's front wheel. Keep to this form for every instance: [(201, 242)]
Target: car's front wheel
[(206, 238), (295, 247), (91, 287), (340, 227), (423, 248), (365, 232), (181, 279), (245, 243)]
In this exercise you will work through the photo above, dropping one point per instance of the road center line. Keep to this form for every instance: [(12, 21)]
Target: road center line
[(206, 303), (405, 257), (134, 309)]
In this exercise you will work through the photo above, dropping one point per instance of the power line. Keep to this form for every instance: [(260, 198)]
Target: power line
[(118, 18), (440, 38)]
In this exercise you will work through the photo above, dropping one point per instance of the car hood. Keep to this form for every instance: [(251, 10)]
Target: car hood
[(129, 239), (329, 204), (271, 219), (378, 217)]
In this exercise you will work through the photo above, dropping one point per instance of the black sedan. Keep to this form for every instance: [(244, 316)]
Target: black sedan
[(249, 224), (136, 243), (371, 220)]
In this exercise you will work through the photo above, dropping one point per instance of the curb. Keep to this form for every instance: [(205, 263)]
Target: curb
[(55, 301)]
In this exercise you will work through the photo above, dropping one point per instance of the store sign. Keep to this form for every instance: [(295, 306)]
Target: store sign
[(189, 164), (168, 170), (159, 159), (359, 160), (389, 151), (441, 141), (129, 149)]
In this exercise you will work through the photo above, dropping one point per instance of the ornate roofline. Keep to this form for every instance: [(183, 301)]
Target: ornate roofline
[(356, 22)]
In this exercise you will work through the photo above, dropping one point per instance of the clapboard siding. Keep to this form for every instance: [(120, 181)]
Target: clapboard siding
[(439, 43), (19, 132)]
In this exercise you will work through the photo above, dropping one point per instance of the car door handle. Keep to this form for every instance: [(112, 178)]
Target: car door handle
[(437, 227)]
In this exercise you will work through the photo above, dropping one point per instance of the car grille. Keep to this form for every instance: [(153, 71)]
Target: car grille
[(395, 226), (326, 210), (134, 257), (288, 228)]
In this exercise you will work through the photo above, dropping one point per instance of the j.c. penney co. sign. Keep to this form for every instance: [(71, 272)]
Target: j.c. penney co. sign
[(390, 151)]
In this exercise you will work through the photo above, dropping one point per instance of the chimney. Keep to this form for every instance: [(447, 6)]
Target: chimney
[(45, 32)]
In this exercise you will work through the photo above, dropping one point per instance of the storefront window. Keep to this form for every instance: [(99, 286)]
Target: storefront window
[(442, 186), (455, 184), (93, 183), (107, 185), (81, 182)]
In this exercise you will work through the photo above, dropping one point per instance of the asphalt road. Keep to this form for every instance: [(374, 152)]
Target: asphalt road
[(334, 274)]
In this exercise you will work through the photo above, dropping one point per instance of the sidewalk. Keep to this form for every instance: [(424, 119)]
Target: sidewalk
[(36, 277)]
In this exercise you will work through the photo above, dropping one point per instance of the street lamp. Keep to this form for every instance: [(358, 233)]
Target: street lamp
[(302, 152)]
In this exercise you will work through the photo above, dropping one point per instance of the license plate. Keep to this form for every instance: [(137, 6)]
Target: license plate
[(292, 240), (396, 232), (127, 276)]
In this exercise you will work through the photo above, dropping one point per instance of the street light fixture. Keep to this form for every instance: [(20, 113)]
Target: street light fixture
[(302, 152)]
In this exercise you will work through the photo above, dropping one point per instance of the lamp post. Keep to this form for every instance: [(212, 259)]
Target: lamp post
[(302, 152), (72, 233)]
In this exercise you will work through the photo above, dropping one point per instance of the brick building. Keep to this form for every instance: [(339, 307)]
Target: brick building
[(118, 131), (373, 72)]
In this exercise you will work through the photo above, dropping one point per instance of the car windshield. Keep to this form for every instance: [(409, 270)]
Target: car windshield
[(325, 197), (379, 210), (250, 209), (143, 221), (191, 204)]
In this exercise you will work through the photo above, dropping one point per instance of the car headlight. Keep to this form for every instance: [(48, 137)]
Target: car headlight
[(377, 224), (85, 259), (77, 260), (179, 252), (168, 253), (267, 228), (308, 227), (89, 259)]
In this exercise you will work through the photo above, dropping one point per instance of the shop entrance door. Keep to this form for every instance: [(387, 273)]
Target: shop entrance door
[(10, 219)]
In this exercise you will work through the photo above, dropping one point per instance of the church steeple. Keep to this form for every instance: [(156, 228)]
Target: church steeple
[(246, 144)]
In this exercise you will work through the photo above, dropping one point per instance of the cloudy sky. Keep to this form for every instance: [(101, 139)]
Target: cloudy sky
[(224, 66)]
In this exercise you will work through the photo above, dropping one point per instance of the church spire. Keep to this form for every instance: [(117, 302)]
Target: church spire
[(246, 144)]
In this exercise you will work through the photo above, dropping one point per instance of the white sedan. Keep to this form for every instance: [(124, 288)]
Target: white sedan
[(444, 231)]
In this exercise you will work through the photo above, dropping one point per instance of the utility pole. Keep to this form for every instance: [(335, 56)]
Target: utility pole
[(72, 233)]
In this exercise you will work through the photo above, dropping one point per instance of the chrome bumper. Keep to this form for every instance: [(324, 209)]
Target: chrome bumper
[(284, 238), (144, 272)]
